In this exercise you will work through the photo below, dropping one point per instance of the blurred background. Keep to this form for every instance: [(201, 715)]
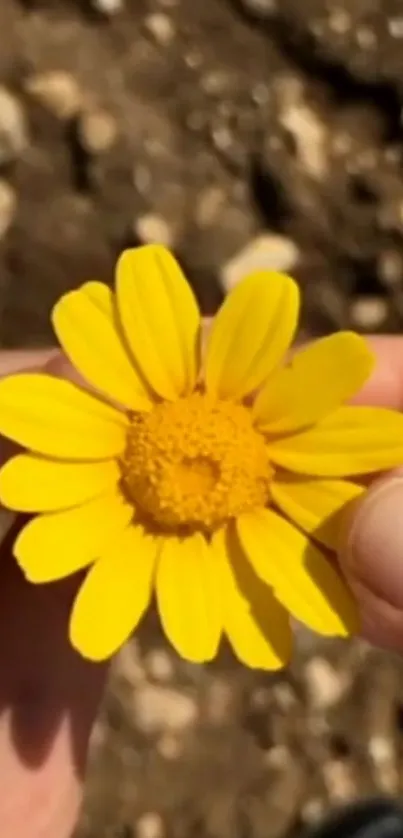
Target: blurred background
[(242, 134)]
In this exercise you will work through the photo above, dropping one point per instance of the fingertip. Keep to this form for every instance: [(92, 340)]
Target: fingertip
[(372, 560), (384, 387)]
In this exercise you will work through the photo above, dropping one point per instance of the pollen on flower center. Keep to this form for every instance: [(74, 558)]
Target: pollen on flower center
[(195, 463)]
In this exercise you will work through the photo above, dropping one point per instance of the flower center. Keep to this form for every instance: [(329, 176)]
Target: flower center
[(195, 463)]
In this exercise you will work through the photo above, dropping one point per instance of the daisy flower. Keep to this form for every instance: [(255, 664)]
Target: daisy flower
[(214, 480)]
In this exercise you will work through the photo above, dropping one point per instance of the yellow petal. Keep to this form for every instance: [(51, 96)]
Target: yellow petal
[(317, 506), (352, 440), (114, 595), (301, 578), (318, 379), (60, 543), (257, 626), (30, 483), (54, 417), (86, 326), (160, 318), (251, 333), (188, 597)]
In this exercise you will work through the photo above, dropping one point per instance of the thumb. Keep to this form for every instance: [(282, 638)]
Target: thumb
[(372, 561)]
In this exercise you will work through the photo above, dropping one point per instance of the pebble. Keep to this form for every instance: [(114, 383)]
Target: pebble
[(310, 134), (150, 825), (268, 251), (160, 27), (284, 696), (278, 757), (13, 128), (128, 664), (57, 91), (339, 781), (368, 312), (366, 38), (390, 268), (162, 708), (169, 746), (324, 685), (97, 131), (218, 702), (339, 21), (312, 811), (381, 750), (159, 665), (8, 207), (209, 206), (260, 8), (153, 229), (395, 26), (108, 7), (384, 758)]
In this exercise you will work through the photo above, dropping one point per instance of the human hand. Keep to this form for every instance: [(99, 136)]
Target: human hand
[(372, 555), (49, 695)]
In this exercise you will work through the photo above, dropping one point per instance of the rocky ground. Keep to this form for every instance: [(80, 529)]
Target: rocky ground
[(241, 133)]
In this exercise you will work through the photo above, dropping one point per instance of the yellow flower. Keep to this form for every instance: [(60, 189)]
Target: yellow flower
[(212, 483)]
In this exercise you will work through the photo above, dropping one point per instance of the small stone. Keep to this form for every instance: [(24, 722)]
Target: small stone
[(368, 312), (313, 810), (161, 708), (159, 665), (223, 138), (13, 128), (383, 754), (161, 28), (381, 750), (8, 207), (366, 37), (128, 665), (390, 268), (153, 229), (215, 82), (260, 8), (108, 7), (277, 757), (324, 685), (260, 93), (150, 825), (285, 696), (395, 26), (218, 702), (310, 134), (339, 21), (142, 179), (169, 746), (99, 735), (97, 131), (339, 781), (58, 92), (209, 206), (269, 252)]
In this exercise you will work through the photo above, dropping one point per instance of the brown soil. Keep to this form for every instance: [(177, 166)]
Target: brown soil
[(211, 122)]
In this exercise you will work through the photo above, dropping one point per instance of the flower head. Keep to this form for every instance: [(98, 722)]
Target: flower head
[(213, 479)]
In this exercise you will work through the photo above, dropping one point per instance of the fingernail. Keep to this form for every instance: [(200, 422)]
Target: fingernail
[(375, 543)]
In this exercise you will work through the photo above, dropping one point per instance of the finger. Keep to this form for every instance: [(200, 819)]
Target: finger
[(48, 700), (385, 386), (25, 360), (372, 561), (48, 694)]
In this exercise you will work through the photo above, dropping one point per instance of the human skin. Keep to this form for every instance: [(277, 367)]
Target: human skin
[(49, 696)]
